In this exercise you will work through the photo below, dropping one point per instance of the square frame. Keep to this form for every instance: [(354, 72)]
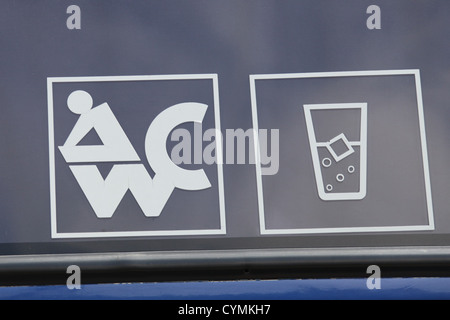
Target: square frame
[(423, 145), (219, 154)]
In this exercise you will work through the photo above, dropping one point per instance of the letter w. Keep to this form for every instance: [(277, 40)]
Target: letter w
[(105, 195)]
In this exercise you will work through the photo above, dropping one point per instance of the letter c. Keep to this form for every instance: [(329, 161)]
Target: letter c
[(156, 150)]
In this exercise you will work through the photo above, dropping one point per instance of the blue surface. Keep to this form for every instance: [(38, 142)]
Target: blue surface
[(395, 288)]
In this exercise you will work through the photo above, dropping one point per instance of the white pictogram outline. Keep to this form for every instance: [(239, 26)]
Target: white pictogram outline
[(55, 234), (423, 144), (362, 143)]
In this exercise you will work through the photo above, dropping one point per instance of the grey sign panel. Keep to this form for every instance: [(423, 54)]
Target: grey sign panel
[(98, 174), (359, 139), (224, 135)]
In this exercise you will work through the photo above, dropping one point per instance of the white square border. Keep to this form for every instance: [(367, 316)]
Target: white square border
[(219, 154), (423, 142)]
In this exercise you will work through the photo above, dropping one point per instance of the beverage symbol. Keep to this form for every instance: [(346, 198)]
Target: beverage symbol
[(340, 162)]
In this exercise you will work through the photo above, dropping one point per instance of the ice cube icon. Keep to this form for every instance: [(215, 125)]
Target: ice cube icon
[(331, 146), (340, 163)]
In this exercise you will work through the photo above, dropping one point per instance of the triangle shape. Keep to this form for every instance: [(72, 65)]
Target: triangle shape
[(105, 168), (91, 139)]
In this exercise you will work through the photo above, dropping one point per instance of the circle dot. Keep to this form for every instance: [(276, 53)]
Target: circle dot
[(326, 162), (79, 102)]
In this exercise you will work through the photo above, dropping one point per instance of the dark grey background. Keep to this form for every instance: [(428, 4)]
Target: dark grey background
[(233, 38)]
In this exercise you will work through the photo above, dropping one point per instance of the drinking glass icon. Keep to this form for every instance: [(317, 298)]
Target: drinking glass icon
[(338, 149)]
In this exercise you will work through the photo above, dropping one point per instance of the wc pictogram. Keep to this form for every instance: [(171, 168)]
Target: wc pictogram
[(151, 194), (139, 172)]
